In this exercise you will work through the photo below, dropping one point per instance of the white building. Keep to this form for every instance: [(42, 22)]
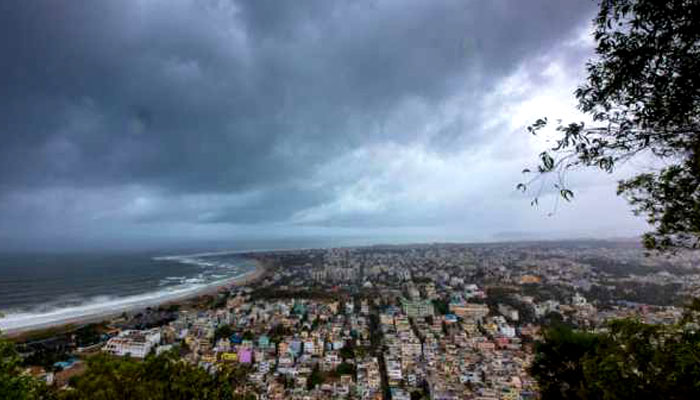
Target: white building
[(578, 300), (133, 343), (393, 371), (507, 331)]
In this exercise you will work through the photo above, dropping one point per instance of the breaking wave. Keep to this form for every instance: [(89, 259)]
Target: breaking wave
[(72, 308)]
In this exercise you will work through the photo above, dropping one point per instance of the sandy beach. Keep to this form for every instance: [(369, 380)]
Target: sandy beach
[(61, 320)]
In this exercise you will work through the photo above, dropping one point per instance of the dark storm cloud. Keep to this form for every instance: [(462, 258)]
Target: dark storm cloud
[(243, 98)]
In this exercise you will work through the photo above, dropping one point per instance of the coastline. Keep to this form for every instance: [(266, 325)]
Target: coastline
[(72, 322)]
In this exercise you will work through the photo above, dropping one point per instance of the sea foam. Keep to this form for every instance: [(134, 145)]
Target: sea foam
[(180, 287)]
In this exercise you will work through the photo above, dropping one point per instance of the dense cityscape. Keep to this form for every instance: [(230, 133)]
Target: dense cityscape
[(366, 199), (438, 321)]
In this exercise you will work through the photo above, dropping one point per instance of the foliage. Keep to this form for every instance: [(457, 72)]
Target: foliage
[(631, 360), (13, 383), (45, 357), (643, 94), (646, 293), (345, 369), (223, 332), (279, 331), (347, 352), (173, 308), (220, 300), (557, 365), (316, 294), (497, 295), (315, 379), (87, 335), (248, 335), (157, 377), (441, 307), (546, 292)]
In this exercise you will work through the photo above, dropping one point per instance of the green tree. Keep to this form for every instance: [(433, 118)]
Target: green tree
[(345, 369), (316, 378), (14, 384), (87, 335), (632, 360), (441, 307), (158, 377), (223, 332), (248, 335), (557, 365), (643, 94)]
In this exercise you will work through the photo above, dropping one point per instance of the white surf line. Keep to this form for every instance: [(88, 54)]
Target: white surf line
[(28, 320)]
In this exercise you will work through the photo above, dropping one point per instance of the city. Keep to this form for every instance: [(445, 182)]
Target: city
[(350, 199), (439, 321)]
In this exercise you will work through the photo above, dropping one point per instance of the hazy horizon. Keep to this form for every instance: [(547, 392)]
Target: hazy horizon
[(272, 244)]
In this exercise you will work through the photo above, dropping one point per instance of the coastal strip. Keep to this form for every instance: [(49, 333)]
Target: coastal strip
[(17, 325)]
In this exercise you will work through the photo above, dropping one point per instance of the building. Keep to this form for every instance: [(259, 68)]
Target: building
[(527, 279), (578, 300), (245, 355), (509, 312), (469, 311), (417, 308), (133, 343), (264, 342), (393, 372)]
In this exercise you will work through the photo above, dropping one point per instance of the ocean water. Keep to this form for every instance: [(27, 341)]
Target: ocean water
[(38, 290)]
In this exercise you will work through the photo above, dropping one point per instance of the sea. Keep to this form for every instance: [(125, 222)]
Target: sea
[(41, 290)]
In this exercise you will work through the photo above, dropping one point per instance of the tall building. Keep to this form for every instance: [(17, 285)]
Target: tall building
[(415, 308)]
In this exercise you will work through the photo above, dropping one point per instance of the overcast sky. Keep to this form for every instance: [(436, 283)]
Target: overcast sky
[(148, 123)]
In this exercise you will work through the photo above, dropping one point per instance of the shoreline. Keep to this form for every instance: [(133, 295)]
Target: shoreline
[(72, 322)]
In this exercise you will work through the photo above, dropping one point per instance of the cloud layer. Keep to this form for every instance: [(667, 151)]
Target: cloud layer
[(125, 120)]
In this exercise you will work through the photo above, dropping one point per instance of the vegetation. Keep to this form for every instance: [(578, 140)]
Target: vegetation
[(248, 335), (107, 378), (557, 366), (347, 352), (14, 384), (317, 294), (223, 332), (45, 357), (315, 379), (540, 292), (345, 369), (157, 377), (643, 94), (501, 295), (631, 360), (88, 335), (278, 332), (441, 307), (646, 293), (220, 300)]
